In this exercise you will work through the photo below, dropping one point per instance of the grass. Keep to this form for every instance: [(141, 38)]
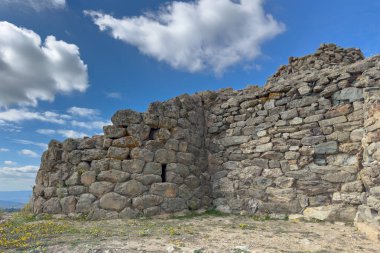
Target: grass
[(1, 213), (22, 231)]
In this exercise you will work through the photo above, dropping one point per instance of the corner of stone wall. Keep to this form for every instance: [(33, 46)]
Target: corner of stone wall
[(368, 217)]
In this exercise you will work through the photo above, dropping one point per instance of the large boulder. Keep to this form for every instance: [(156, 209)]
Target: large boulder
[(113, 201), (126, 118)]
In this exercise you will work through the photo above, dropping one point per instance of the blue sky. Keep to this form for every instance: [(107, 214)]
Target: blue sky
[(115, 54)]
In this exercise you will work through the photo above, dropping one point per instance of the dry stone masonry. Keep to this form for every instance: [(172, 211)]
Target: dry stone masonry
[(307, 143)]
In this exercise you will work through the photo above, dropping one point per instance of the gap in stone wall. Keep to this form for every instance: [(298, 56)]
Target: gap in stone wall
[(163, 173)]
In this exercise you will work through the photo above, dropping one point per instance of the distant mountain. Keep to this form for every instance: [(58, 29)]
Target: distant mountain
[(10, 205), (14, 199)]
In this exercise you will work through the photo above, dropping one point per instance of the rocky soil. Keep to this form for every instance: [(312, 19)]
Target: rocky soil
[(206, 234)]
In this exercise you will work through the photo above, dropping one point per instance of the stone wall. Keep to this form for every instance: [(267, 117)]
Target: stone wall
[(292, 147), (367, 218), (145, 164), (295, 146)]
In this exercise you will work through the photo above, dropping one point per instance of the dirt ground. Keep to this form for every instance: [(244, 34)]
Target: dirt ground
[(235, 234)]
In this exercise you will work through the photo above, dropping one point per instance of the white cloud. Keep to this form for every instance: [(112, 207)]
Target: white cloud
[(205, 34), (38, 144), (9, 127), (46, 131), (91, 124), (71, 134), (31, 70), (9, 162), (4, 150), (28, 171), (63, 132), (83, 112), (37, 4), (28, 152), (114, 95), (18, 115)]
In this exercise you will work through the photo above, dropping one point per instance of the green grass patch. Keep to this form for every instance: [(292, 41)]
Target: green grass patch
[(24, 231)]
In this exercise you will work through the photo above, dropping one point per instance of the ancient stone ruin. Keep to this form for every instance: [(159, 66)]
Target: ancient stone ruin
[(307, 143)]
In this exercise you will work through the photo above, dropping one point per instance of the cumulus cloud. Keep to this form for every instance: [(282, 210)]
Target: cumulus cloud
[(28, 171), (63, 132), (28, 152), (91, 125), (32, 143), (46, 131), (31, 70), (18, 115), (199, 35), (114, 95), (38, 5), (4, 150), (71, 134), (83, 112), (9, 162)]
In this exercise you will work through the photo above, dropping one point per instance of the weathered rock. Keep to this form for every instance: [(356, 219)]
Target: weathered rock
[(84, 203), (339, 111), (88, 177), (113, 201), (162, 135), (68, 204), (126, 142), (114, 132), (330, 147), (140, 131), (52, 206), (76, 190), (174, 205), (130, 189), (332, 121), (142, 154), (101, 188), (113, 176), (118, 153), (153, 168), (93, 154), (163, 156), (356, 186), (318, 213), (185, 158), (148, 179), (129, 213), (100, 165), (126, 118), (146, 201), (289, 114), (351, 94), (264, 147), (74, 179), (357, 135), (234, 140), (166, 190), (133, 166)]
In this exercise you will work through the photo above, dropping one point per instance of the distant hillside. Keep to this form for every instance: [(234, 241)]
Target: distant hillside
[(10, 204), (14, 199)]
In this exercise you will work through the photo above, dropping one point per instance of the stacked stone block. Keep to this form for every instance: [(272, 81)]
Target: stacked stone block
[(145, 164), (368, 218)]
